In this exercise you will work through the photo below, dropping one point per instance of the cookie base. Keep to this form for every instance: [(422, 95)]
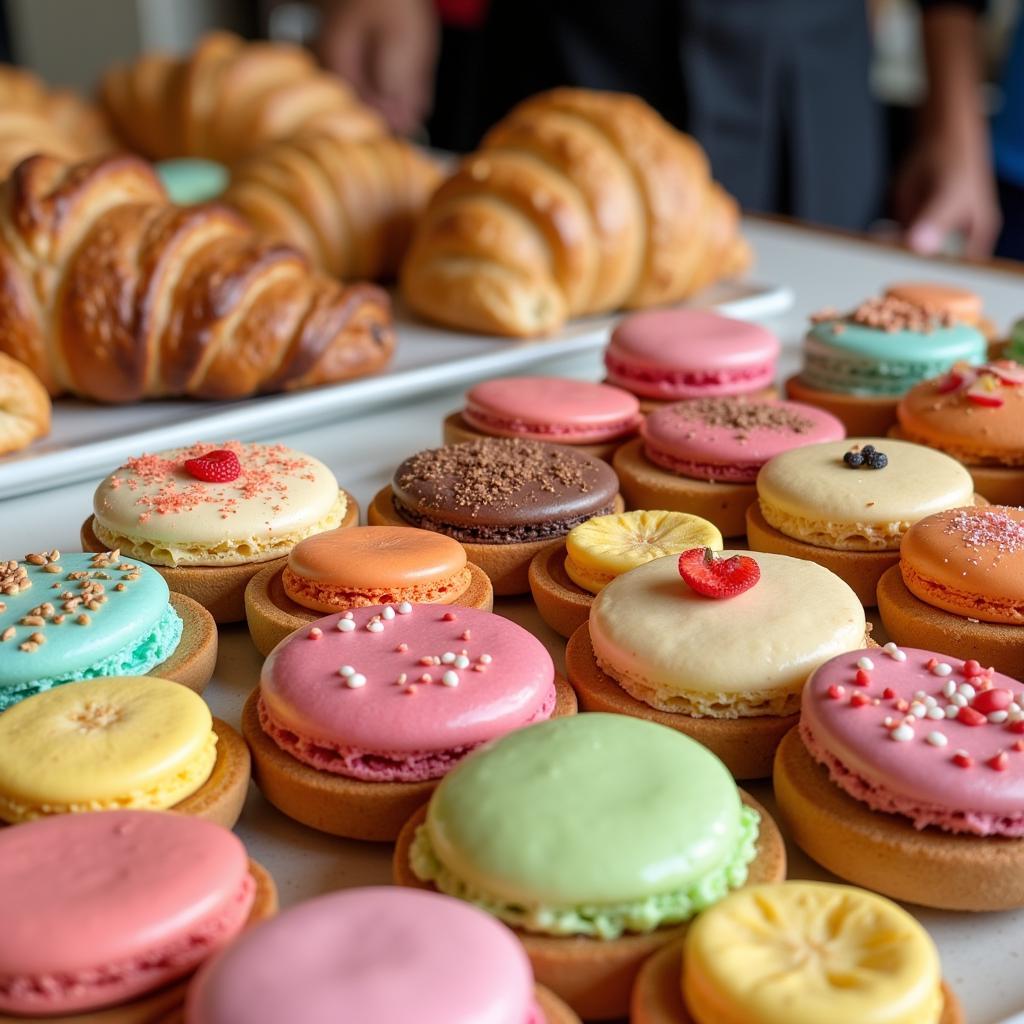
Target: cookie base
[(164, 1005), (595, 976), (884, 852), (862, 415), (336, 804), (911, 622), (272, 614), (645, 485), (562, 604), (220, 589), (506, 565), (745, 745), (658, 996), (195, 657)]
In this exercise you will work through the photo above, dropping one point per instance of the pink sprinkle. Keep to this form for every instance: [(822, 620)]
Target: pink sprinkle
[(1018, 745), (427, 659), (466, 635), (402, 648), (860, 699), (448, 617), (479, 668), (426, 678), (1000, 762), (836, 692), (315, 633), (409, 691), (963, 760), (901, 705)]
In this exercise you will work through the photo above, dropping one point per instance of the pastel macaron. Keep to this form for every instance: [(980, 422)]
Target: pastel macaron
[(522, 829), (727, 672), (73, 615), (959, 586), (665, 355), (847, 504), (702, 456), (359, 715), (209, 516), (595, 418), (115, 909), (384, 955), (126, 742), (357, 567), (906, 776)]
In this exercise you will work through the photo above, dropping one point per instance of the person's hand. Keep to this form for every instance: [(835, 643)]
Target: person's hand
[(387, 49)]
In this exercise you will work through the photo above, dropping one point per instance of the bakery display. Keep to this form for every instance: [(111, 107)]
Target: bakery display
[(666, 355), (24, 406), (720, 654), (111, 912), (703, 455), (577, 202), (71, 616), (357, 716), (904, 777), (798, 953), (847, 504), (959, 586), (858, 365), (565, 576), (592, 418), (353, 568), (116, 295), (127, 742), (503, 499), (210, 516), (521, 829)]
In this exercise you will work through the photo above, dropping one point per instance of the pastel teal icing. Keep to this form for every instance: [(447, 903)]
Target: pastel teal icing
[(132, 632), (861, 360)]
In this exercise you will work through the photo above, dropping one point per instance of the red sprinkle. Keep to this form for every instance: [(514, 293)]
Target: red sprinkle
[(1000, 762), (858, 700), (992, 700), (902, 705), (836, 692), (1016, 726), (1018, 745), (972, 668), (315, 633), (970, 716), (863, 678), (448, 617), (931, 663), (963, 760), (888, 693)]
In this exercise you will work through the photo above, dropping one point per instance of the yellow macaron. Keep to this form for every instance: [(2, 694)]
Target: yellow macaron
[(101, 744)]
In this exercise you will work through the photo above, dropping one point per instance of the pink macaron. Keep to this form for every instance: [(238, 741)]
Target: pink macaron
[(551, 409), (730, 439), (668, 354)]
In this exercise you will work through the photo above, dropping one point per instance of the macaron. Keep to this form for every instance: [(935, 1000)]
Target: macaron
[(357, 567), (959, 305), (976, 415), (70, 616), (503, 499), (128, 742), (798, 953), (858, 365), (669, 354), (209, 516), (358, 716), (959, 586), (523, 828), (565, 576), (726, 671), (595, 418), (906, 776), (702, 456), (847, 504), (384, 955), (108, 910)]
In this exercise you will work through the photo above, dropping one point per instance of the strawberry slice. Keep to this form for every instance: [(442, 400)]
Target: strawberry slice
[(217, 467), (985, 391), (716, 577), (960, 376), (1009, 373)]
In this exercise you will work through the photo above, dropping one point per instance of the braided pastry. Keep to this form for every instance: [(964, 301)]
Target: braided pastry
[(578, 202), (114, 294), (24, 406)]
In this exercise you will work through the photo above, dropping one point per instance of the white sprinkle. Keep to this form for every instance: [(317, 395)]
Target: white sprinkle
[(356, 681), (348, 615), (450, 678), (346, 625), (935, 713), (959, 700), (388, 613), (942, 669), (919, 695), (346, 670), (930, 701), (967, 690), (902, 733), (899, 655), (404, 608), (888, 721), (951, 711), (998, 716), (376, 626), (1014, 706), (917, 709), (865, 663), (402, 679), (949, 688), (448, 657), (937, 739), (1016, 716), (889, 647), (461, 661), (485, 659)]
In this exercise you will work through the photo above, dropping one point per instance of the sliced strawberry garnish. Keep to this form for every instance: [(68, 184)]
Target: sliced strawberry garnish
[(716, 577), (985, 391), (960, 376), (217, 467), (1009, 373)]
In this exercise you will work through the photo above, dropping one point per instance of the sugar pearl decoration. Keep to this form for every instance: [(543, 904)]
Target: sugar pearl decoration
[(941, 669), (450, 678), (346, 671), (388, 613), (937, 739), (405, 608), (967, 690), (949, 688), (356, 681), (461, 661), (951, 711), (865, 663), (376, 626), (448, 657), (346, 625), (485, 659), (903, 733)]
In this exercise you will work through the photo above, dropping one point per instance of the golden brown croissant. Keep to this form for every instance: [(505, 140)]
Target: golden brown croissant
[(349, 205), (24, 406), (577, 202), (112, 293), (228, 98)]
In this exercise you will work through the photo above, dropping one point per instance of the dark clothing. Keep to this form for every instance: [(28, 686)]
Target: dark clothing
[(1011, 239)]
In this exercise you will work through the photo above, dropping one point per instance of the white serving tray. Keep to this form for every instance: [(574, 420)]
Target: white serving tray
[(88, 440)]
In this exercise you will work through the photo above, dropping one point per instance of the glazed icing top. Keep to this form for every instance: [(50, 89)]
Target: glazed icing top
[(376, 557), (126, 616), (959, 303), (914, 763), (526, 818), (649, 625), (498, 678), (380, 955), (84, 891)]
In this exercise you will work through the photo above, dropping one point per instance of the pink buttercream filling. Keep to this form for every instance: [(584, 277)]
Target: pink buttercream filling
[(378, 765), (739, 472), (578, 432), (665, 383), (879, 798)]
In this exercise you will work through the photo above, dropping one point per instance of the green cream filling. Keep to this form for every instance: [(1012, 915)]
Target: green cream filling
[(602, 921)]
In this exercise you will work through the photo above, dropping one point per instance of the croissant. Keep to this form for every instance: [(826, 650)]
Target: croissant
[(114, 294), (228, 98), (577, 202), (24, 406), (349, 205)]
